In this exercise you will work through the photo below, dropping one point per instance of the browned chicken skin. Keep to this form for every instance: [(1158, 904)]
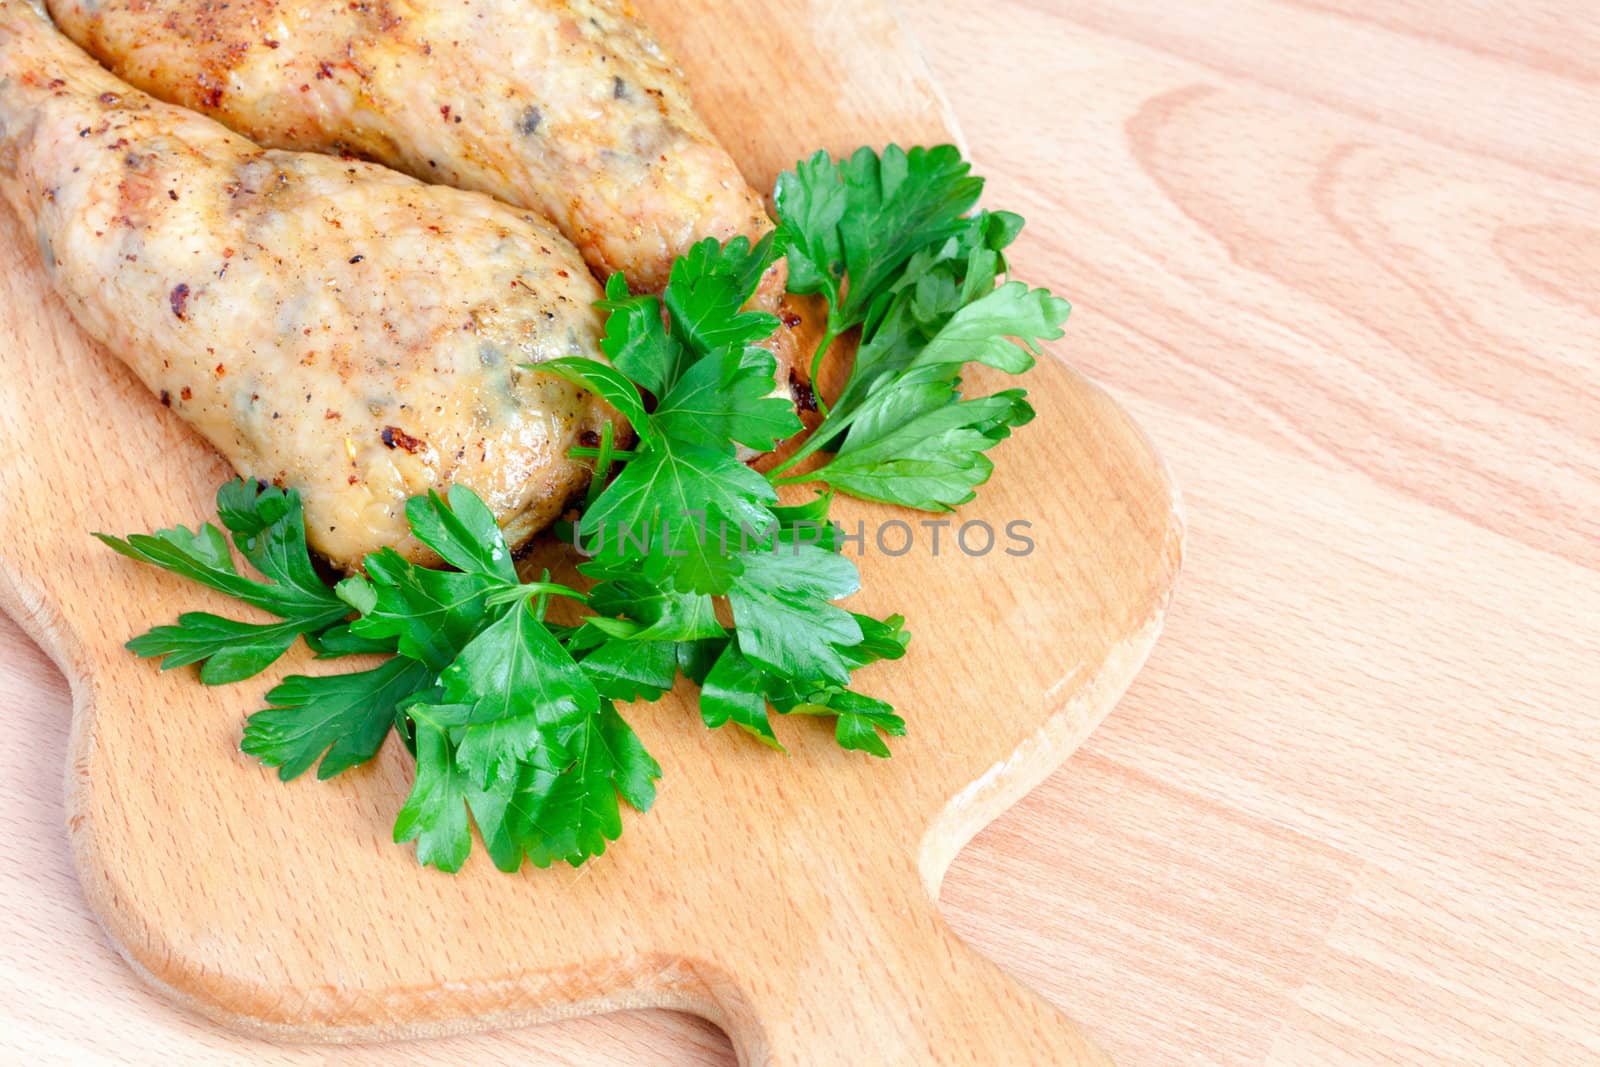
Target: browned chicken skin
[(567, 107), (327, 324)]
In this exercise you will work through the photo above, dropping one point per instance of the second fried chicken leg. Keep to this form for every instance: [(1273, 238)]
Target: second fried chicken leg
[(327, 324)]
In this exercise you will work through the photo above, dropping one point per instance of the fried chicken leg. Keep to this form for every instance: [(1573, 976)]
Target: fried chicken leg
[(327, 324), (567, 107)]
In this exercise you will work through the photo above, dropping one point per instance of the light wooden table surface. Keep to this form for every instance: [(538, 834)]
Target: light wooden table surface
[(1343, 260)]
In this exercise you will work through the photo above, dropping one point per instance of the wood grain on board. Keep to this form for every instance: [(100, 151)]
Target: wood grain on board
[(789, 900), (1340, 259)]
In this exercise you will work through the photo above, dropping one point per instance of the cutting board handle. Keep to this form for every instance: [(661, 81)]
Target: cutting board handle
[(885, 984)]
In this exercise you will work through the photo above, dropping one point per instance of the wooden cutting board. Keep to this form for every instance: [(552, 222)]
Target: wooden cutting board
[(789, 899)]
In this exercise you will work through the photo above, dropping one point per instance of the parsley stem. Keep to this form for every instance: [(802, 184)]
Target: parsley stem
[(602, 466), (830, 335), (542, 589), (541, 602), (595, 453), (826, 431)]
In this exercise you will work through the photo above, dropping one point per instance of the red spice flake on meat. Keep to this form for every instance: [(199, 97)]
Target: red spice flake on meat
[(395, 437)]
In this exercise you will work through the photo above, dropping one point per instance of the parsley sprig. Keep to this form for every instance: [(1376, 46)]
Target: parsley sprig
[(889, 243), (694, 567), (269, 530)]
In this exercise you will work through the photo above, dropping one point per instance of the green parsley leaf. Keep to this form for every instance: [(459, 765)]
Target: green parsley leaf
[(268, 526), (708, 287), (636, 610), (696, 658), (680, 498), (627, 669), (632, 770), (637, 341), (517, 688), (880, 639), (1000, 329), (464, 534), (784, 621), (341, 640), (228, 651), (927, 451), (429, 614), (341, 719), (891, 206), (738, 690), (912, 439), (727, 398), (435, 813), (909, 437), (938, 282), (608, 383), (580, 814), (811, 201), (272, 538), (734, 690), (269, 529), (889, 242), (568, 811), (861, 718)]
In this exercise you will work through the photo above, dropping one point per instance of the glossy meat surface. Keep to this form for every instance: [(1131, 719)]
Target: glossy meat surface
[(327, 324)]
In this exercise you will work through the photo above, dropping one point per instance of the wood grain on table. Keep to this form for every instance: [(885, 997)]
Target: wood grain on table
[(1341, 260)]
